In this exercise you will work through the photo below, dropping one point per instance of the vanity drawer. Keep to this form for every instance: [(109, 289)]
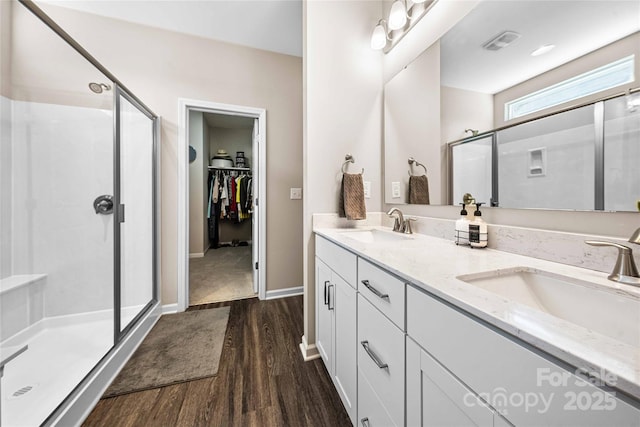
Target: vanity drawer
[(381, 357), (371, 412), (490, 362), (383, 290), (341, 260)]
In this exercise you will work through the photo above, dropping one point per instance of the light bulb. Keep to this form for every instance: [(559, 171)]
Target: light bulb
[(397, 15), (378, 37)]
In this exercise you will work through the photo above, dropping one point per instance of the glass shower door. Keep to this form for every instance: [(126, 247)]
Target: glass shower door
[(136, 217), (57, 231)]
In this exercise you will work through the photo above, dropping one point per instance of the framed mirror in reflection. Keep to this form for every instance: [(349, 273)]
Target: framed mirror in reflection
[(482, 68), (584, 158)]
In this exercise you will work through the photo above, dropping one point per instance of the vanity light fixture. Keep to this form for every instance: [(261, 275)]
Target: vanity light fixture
[(379, 37), (398, 15), (402, 17), (543, 49)]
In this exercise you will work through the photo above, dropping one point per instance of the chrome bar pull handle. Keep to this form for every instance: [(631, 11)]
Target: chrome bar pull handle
[(374, 290), (326, 283), (373, 356), (329, 300), (364, 422)]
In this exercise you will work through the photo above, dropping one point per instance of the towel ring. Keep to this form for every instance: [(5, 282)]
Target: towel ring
[(349, 159), (417, 163)]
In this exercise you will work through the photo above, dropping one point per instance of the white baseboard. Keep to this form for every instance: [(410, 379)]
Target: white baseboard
[(170, 308), (283, 293), (309, 352), (197, 255)]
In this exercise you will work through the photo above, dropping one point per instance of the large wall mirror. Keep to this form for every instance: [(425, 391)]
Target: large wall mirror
[(476, 81)]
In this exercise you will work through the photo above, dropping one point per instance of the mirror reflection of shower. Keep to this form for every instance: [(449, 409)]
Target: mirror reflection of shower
[(99, 87)]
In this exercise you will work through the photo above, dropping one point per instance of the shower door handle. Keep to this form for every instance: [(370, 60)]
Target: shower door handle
[(103, 205)]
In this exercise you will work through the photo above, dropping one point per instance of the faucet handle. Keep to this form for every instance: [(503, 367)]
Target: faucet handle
[(407, 225), (625, 270)]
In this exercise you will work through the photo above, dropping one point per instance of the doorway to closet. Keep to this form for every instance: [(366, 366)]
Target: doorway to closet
[(223, 217)]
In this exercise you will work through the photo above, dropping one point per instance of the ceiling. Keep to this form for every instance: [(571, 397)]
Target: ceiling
[(273, 25), (576, 27)]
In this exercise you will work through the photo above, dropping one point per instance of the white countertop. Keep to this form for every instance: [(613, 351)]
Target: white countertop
[(433, 264)]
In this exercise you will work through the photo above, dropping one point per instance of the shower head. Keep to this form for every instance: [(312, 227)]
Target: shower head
[(99, 87)]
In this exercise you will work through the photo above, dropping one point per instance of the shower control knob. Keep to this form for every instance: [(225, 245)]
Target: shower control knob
[(103, 205)]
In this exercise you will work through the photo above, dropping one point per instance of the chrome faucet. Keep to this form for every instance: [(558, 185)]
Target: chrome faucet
[(625, 270), (398, 224), (401, 225)]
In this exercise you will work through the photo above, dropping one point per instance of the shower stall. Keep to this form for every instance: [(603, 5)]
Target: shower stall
[(78, 222)]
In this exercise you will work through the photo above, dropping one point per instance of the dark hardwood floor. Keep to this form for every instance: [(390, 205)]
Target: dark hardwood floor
[(262, 380)]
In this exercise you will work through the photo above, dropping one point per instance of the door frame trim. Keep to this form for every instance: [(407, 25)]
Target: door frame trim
[(184, 106)]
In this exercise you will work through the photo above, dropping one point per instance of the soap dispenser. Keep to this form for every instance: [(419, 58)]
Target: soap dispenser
[(462, 228), (478, 229)]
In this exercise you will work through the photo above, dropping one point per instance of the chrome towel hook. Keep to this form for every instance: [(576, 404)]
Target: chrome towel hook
[(349, 159), (413, 161)]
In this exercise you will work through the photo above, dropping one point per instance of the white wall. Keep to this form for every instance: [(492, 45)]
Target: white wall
[(464, 109), (197, 189), (412, 126), (233, 140), (62, 160), (568, 163), (160, 67), (5, 187), (342, 114)]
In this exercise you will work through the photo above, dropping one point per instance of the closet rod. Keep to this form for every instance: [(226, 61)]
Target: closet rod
[(229, 168)]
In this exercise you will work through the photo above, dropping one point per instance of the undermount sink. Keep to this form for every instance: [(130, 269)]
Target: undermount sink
[(612, 313), (374, 236)]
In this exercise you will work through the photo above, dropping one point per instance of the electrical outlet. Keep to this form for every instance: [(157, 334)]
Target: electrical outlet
[(367, 189), (395, 190), (295, 193)]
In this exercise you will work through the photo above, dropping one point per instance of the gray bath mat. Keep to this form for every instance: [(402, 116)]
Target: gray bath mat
[(180, 347)]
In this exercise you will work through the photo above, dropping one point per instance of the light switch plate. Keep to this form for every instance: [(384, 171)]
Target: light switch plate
[(367, 189), (295, 193), (395, 189)]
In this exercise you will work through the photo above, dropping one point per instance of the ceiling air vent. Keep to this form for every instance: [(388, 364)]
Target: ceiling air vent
[(502, 40)]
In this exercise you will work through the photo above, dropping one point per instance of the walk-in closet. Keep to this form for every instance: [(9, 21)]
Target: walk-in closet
[(221, 211)]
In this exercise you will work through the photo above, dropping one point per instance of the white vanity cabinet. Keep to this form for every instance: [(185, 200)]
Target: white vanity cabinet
[(400, 356), (435, 397), (463, 358), (336, 318)]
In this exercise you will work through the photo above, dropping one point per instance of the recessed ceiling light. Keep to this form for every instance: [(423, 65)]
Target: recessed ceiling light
[(543, 49)]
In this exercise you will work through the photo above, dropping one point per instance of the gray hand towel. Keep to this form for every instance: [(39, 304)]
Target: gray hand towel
[(418, 190), (351, 204)]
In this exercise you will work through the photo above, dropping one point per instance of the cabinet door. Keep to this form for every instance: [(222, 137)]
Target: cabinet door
[(381, 358), (371, 412), (345, 373), (437, 398), (324, 316)]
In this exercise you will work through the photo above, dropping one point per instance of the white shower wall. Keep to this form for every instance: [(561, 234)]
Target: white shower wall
[(5, 187), (62, 159)]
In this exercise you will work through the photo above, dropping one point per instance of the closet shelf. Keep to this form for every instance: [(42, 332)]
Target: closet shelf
[(227, 168)]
